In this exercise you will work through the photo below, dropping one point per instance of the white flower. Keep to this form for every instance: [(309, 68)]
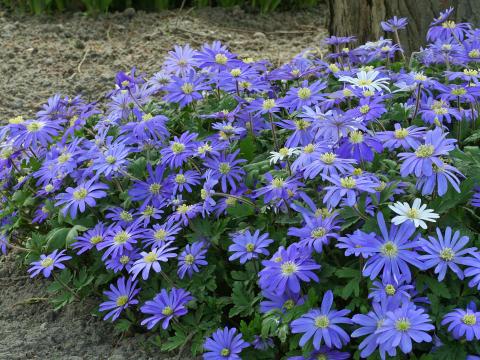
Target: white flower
[(367, 80), (282, 154), (417, 213)]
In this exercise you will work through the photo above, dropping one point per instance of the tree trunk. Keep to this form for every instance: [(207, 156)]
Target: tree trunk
[(362, 18)]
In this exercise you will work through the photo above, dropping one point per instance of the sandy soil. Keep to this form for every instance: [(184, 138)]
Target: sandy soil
[(71, 54)]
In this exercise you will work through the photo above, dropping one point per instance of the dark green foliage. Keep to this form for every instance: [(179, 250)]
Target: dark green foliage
[(95, 7)]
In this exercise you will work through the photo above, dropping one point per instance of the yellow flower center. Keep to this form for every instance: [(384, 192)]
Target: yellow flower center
[(160, 234), (48, 261), (322, 321), (110, 159), (364, 82), (302, 124), (189, 259), (328, 158), (167, 311), (304, 93), (122, 300), (235, 72), (449, 24), (268, 104), (288, 268), (150, 257), (469, 319), (333, 68), (348, 182), (277, 183), (221, 59), (356, 137), (124, 259), (470, 72), (180, 179), (389, 249), (401, 133), (155, 188), (283, 151), (35, 126), (96, 239), (187, 88), (364, 109), (459, 91), (204, 149), (390, 289), (121, 238), (126, 216), (224, 168), (402, 324), (48, 188), (16, 120), (225, 352), (184, 208), (149, 211), (424, 151), (308, 149), (80, 194), (289, 304), (420, 77), (447, 254), (62, 159), (147, 117), (250, 247), (318, 232), (177, 147)]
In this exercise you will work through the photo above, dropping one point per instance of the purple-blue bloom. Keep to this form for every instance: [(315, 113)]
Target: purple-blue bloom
[(77, 199), (151, 260), (224, 344), (322, 324), (247, 246), (48, 263), (191, 258), (120, 297)]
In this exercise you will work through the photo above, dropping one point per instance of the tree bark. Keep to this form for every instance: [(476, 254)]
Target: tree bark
[(362, 18)]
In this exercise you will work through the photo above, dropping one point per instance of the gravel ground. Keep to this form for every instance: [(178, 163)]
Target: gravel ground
[(75, 54), (71, 54)]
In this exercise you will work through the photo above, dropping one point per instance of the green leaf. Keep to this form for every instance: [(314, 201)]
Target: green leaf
[(243, 300)]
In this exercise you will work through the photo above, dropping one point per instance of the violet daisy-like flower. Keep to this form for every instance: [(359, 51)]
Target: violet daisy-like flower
[(247, 246), (122, 261), (475, 201), (403, 325), (48, 263), (434, 111), (347, 187), (445, 252), (180, 60), (324, 353), (152, 191), (394, 24), (91, 238), (357, 244), (165, 306), (392, 252), (120, 239), (426, 155), (191, 258), (184, 213), (473, 270), (283, 302), (120, 297), (316, 231), (226, 169), (391, 288), (112, 161), (77, 199), (322, 324), (360, 146), (224, 344), (287, 268), (441, 177), (179, 150), (302, 132), (369, 324), (405, 138), (33, 133), (278, 189), (151, 260), (186, 89), (161, 234), (306, 95), (463, 323), (184, 180), (328, 164)]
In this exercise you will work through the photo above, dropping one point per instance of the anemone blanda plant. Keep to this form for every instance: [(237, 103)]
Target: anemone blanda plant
[(214, 201)]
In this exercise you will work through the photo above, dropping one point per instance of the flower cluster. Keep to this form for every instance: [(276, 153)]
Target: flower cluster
[(214, 202)]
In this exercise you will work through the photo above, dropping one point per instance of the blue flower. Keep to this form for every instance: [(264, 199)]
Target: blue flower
[(445, 252), (392, 252), (77, 199), (48, 263), (316, 232), (119, 298), (287, 268), (191, 258), (394, 24), (151, 260), (91, 238), (179, 151), (247, 246), (349, 187), (403, 325), (165, 306), (185, 90), (463, 323), (224, 344), (226, 169), (322, 324)]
